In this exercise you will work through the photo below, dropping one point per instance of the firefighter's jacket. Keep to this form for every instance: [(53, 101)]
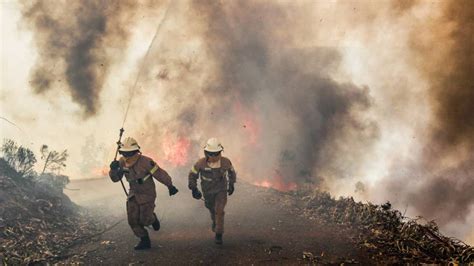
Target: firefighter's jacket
[(139, 176), (213, 180)]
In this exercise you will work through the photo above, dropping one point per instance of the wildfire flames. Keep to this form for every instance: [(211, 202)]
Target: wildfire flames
[(100, 171), (176, 150), (277, 182), (377, 93)]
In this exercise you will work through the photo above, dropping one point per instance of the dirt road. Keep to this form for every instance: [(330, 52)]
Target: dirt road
[(256, 232)]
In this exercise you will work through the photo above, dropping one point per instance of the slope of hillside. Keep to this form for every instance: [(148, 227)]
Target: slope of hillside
[(37, 222)]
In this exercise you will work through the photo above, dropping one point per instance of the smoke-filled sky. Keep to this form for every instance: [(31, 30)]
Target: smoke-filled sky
[(332, 93)]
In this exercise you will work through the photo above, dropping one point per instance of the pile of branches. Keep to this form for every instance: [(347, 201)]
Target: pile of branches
[(386, 232), (38, 223)]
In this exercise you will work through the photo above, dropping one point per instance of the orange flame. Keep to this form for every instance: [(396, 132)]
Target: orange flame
[(176, 150), (264, 183), (277, 183), (100, 171)]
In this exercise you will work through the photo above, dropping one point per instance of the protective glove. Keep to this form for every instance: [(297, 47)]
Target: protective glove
[(114, 165), (173, 190), (231, 189), (197, 194)]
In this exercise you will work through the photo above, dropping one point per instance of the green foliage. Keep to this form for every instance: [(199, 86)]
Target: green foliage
[(17, 162), (19, 158), (53, 160), (7, 170)]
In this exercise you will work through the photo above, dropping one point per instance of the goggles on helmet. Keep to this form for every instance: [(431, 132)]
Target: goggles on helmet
[(128, 153), (212, 154)]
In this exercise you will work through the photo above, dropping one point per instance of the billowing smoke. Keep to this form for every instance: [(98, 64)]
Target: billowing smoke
[(286, 118), (444, 187), (452, 83), (273, 103), (77, 43), (283, 86)]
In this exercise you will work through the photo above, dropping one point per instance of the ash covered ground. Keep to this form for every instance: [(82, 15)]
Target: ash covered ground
[(266, 226), (263, 226)]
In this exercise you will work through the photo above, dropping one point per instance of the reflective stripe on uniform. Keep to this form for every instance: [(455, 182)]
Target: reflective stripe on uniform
[(145, 178), (193, 170), (137, 180), (206, 178), (154, 169)]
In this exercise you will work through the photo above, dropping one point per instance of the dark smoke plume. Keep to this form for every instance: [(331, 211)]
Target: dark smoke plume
[(452, 83), (448, 195), (77, 42), (451, 192), (272, 102), (304, 114), (443, 187)]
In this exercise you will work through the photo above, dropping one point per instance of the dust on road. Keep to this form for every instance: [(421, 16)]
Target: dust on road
[(256, 232)]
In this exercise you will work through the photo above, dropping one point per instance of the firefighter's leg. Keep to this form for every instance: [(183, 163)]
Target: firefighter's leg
[(146, 213), (209, 202), (220, 202), (133, 215)]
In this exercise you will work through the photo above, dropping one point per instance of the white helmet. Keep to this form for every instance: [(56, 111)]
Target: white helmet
[(213, 145), (129, 144)]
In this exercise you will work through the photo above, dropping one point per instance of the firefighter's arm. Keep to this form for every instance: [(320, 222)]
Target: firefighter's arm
[(232, 175), (192, 182), (116, 171), (161, 175), (193, 177)]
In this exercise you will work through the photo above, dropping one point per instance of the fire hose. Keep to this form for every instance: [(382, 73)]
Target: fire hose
[(132, 90), (116, 154)]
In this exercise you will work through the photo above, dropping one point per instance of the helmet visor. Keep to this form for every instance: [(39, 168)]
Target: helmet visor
[(128, 153), (212, 154)]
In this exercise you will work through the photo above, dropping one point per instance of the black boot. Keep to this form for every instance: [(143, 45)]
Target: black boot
[(219, 239), (156, 223), (213, 226), (144, 243)]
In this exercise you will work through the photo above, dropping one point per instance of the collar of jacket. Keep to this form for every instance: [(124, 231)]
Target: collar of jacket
[(216, 164)]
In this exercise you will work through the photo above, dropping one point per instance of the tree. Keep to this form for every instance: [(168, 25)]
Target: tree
[(53, 160), (18, 157)]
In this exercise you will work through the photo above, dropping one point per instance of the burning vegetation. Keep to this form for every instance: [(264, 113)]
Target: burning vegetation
[(302, 94), (40, 224), (274, 87)]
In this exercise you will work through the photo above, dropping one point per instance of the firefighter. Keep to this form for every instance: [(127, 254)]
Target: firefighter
[(138, 170), (217, 180)]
